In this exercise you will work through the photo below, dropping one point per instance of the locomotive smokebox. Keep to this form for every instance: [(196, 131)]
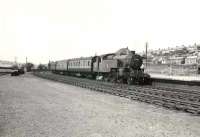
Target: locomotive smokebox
[(136, 62)]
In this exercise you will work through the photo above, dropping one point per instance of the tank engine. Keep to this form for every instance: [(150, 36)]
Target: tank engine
[(124, 66)]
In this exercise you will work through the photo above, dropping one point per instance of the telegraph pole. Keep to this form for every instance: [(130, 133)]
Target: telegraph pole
[(146, 53), (15, 60), (26, 63), (15, 64)]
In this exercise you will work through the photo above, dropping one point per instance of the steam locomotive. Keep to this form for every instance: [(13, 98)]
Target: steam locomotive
[(123, 66)]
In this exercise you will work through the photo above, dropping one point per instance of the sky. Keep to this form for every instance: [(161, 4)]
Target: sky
[(44, 30)]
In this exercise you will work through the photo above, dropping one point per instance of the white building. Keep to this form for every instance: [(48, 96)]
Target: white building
[(191, 60)]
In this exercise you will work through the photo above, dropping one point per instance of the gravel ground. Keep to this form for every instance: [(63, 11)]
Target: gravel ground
[(35, 107)]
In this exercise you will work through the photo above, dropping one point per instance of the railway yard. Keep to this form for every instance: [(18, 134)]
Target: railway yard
[(33, 106)]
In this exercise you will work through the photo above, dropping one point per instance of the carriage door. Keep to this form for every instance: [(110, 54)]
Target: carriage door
[(96, 64)]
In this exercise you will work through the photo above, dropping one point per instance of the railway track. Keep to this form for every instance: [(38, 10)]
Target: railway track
[(2, 73), (176, 99)]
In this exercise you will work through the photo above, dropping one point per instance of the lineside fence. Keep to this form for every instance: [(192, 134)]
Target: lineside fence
[(172, 69)]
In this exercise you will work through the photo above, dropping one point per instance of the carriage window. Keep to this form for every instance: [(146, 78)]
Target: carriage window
[(88, 63)]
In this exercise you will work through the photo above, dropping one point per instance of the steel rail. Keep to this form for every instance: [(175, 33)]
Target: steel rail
[(165, 98)]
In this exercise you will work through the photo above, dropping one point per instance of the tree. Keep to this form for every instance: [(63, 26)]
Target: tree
[(42, 67), (29, 66)]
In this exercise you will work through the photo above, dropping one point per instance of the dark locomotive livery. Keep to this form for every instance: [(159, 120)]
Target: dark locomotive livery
[(124, 66)]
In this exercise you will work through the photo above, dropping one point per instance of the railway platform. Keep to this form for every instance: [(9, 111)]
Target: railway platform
[(189, 80)]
